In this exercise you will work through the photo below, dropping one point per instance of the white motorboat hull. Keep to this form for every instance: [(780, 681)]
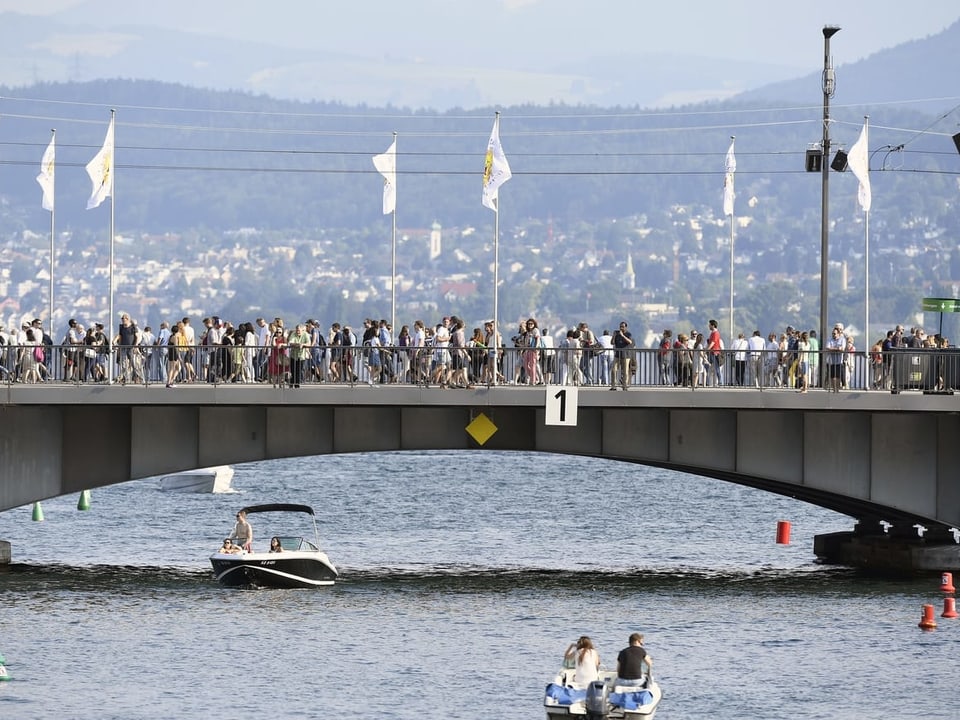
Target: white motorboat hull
[(204, 480), (278, 570)]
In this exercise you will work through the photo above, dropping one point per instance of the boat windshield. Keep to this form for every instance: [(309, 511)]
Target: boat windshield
[(294, 543)]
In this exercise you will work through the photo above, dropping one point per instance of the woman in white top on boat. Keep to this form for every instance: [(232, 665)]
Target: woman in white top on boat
[(583, 656)]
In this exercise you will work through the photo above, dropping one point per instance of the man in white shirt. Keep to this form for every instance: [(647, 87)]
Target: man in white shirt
[(75, 340), (548, 356), (756, 345), (262, 330)]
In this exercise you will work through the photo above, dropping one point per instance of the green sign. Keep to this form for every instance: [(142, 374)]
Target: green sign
[(941, 305)]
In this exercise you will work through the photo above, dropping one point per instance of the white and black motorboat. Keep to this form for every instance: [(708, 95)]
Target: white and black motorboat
[(215, 479), (300, 564), (603, 699)]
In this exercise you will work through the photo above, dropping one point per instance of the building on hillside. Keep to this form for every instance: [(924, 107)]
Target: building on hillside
[(629, 280), (436, 237)]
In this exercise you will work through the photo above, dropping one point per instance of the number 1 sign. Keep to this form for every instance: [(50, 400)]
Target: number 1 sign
[(561, 405)]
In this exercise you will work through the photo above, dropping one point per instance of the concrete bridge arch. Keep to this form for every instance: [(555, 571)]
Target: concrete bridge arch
[(872, 456)]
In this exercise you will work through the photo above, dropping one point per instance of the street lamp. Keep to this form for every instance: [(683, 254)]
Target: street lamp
[(829, 83)]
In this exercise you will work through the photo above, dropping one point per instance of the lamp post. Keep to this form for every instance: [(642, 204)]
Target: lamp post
[(829, 83)]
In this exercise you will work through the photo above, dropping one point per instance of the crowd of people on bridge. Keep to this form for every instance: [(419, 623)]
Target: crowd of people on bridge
[(447, 355)]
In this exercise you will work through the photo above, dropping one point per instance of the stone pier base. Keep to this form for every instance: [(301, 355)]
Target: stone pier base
[(887, 554), (4, 552)]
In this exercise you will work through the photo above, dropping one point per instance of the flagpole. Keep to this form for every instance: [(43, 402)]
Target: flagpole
[(393, 278), (113, 203), (496, 171), (866, 262), (732, 216), (731, 278), (53, 135), (496, 291), (496, 274)]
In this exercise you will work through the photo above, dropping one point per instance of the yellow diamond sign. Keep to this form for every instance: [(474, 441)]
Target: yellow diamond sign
[(481, 428)]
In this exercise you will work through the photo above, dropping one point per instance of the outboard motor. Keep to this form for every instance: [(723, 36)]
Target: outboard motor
[(596, 702)]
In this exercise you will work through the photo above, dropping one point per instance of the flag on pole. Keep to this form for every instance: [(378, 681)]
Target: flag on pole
[(386, 164), (496, 169), (731, 167), (859, 164), (45, 178), (100, 170)]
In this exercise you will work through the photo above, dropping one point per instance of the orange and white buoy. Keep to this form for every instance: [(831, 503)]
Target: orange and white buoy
[(946, 582), (783, 532), (949, 607), (927, 621)]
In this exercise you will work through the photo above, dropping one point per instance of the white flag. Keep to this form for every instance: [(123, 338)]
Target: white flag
[(859, 163), (386, 164), (100, 170), (728, 195), (45, 178), (496, 169)]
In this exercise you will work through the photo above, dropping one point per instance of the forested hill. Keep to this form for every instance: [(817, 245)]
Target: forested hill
[(191, 158)]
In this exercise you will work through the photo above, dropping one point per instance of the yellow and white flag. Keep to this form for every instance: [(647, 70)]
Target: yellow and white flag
[(858, 161), (386, 165), (496, 169), (731, 168), (46, 176), (100, 170)]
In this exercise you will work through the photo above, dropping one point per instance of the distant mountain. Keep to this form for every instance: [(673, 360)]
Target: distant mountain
[(35, 49), (190, 157), (925, 70)]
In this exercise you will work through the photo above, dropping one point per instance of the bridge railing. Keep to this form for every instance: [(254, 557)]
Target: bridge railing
[(902, 369)]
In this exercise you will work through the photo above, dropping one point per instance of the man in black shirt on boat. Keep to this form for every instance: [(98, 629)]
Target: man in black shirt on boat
[(630, 662)]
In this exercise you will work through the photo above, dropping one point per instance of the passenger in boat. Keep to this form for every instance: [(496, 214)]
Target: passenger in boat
[(275, 545), (631, 660), (228, 548), (585, 659), (242, 532)]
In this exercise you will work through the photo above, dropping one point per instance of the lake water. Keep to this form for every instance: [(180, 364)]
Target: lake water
[(464, 577)]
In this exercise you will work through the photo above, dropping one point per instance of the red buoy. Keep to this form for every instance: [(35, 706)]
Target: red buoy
[(783, 532), (946, 582), (927, 622), (949, 607)]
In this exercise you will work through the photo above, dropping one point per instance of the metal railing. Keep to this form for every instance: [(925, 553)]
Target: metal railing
[(931, 370)]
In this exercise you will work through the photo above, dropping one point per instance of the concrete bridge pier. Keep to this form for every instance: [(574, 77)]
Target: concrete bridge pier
[(890, 552), (4, 552)]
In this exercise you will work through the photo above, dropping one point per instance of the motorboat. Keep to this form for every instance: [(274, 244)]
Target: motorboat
[(300, 563), (602, 699), (215, 479)]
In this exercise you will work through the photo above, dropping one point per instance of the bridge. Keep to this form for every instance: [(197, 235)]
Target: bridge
[(888, 460)]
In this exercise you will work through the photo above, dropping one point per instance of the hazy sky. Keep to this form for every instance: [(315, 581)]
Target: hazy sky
[(539, 30)]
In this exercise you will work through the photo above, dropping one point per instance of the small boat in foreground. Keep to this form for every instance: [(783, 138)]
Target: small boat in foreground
[(300, 564), (602, 699), (215, 479)]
